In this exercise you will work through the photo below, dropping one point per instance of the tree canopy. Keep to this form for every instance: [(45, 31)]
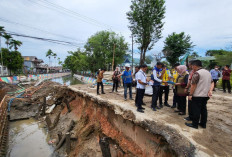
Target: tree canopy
[(77, 61), (214, 52), (13, 60), (176, 45), (100, 48), (224, 59), (146, 23)]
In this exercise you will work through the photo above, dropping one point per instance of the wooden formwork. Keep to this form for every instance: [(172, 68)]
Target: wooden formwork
[(3, 126)]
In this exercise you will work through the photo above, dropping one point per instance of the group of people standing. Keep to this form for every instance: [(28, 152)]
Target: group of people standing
[(194, 83), (216, 74)]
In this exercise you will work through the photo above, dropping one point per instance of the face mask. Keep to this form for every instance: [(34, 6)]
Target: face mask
[(216, 68)]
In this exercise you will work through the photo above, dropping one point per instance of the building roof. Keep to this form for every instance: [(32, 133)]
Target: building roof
[(32, 59), (208, 58)]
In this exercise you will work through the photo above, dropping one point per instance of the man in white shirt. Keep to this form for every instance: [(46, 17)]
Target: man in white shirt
[(141, 83), (157, 79)]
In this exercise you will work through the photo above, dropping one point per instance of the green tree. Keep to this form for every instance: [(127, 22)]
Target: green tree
[(15, 44), (59, 61), (176, 45), (194, 54), (148, 59), (49, 53), (7, 37), (54, 55), (76, 61), (224, 59), (100, 48), (13, 60), (214, 52), (146, 23), (2, 31)]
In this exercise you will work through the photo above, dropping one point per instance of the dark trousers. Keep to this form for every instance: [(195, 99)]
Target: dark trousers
[(165, 90), (140, 95), (102, 87), (174, 97), (155, 96), (215, 83), (127, 85), (199, 110), (182, 103), (115, 85), (226, 83), (136, 96), (190, 110)]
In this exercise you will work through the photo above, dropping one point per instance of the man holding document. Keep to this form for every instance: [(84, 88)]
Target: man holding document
[(156, 77), (141, 84)]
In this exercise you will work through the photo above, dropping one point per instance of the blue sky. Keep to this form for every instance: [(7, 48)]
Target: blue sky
[(208, 22)]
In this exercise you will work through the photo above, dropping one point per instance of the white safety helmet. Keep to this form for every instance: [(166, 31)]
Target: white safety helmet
[(127, 65)]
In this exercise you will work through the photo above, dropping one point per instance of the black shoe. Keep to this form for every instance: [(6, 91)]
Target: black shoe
[(140, 110), (98, 93), (177, 111), (103, 93), (187, 119), (131, 99), (144, 104), (191, 125), (167, 105), (202, 125), (136, 105), (157, 107), (173, 106), (161, 106), (153, 108), (182, 113), (116, 91)]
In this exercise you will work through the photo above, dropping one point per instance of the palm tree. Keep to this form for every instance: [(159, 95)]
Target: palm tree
[(7, 37), (59, 61), (54, 55), (15, 44), (49, 54)]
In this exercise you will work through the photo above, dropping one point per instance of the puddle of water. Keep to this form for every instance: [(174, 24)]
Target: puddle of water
[(68, 80), (28, 138)]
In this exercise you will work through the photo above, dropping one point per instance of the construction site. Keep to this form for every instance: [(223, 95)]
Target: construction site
[(60, 119)]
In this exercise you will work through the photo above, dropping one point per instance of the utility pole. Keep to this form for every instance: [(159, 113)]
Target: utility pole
[(132, 52), (113, 59)]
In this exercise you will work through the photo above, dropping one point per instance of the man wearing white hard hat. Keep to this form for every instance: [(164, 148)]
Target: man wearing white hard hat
[(127, 79)]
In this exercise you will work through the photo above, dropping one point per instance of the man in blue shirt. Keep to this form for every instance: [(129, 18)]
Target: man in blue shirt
[(215, 73), (127, 79)]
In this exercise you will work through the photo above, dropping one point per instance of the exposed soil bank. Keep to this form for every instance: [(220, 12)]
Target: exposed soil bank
[(97, 118)]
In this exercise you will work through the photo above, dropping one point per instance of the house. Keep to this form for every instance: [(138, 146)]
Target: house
[(4, 71), (33, 64)]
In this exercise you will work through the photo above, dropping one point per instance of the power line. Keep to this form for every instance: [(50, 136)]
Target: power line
[(70, 13), (37, 29), (45, 39)]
